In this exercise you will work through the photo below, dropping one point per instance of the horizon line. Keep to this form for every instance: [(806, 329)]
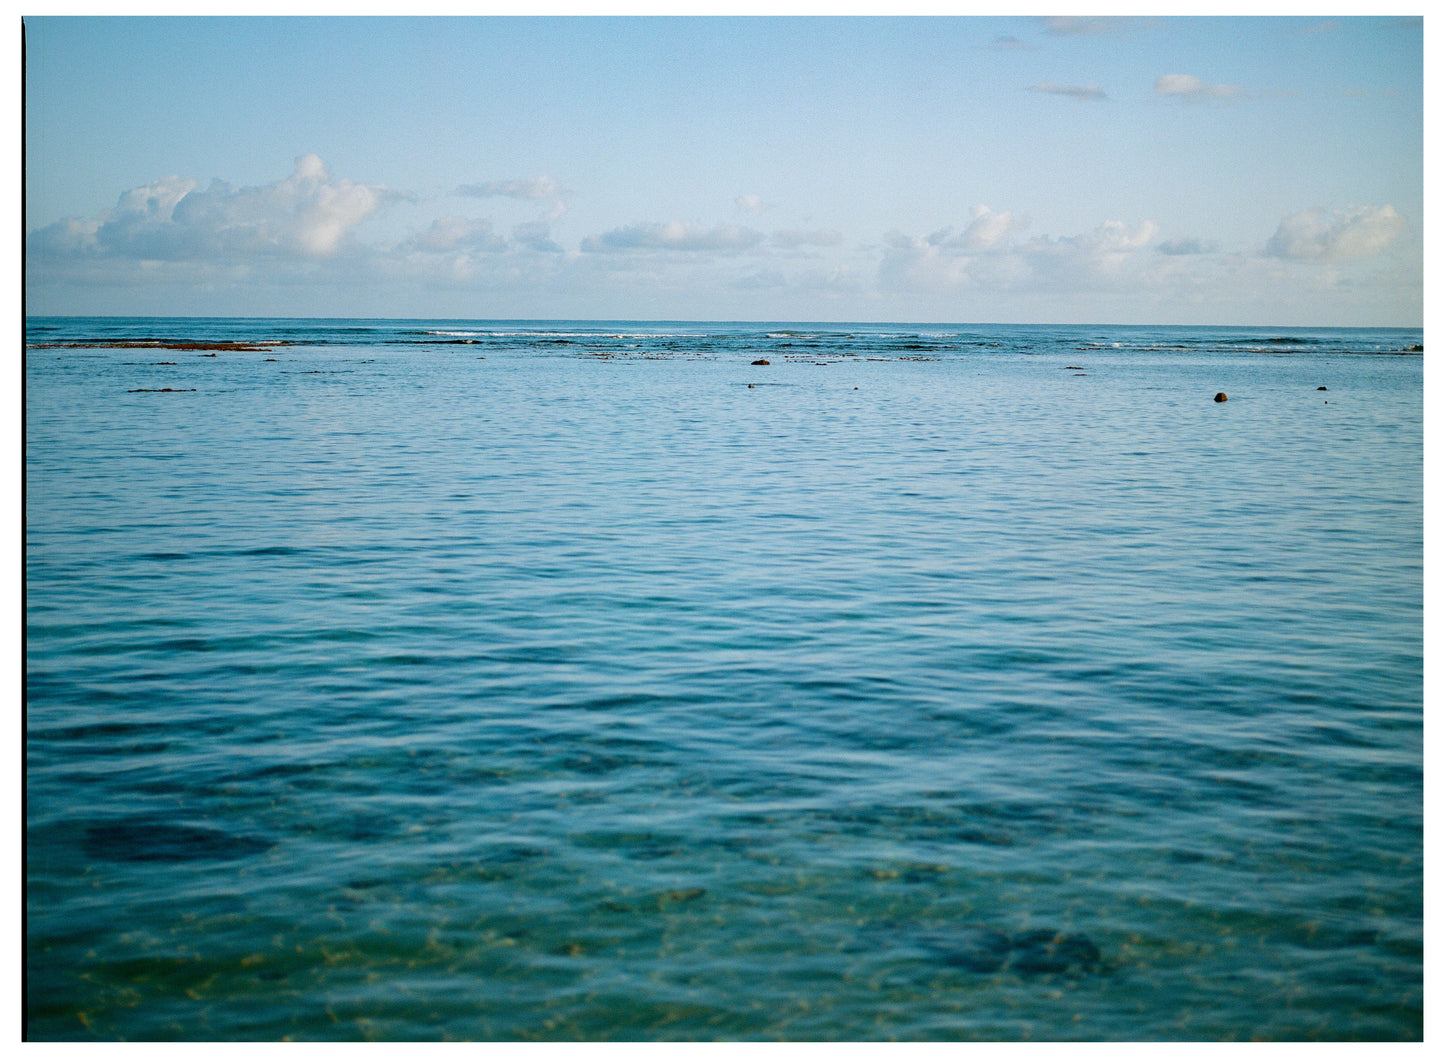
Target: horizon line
[(755, 322)]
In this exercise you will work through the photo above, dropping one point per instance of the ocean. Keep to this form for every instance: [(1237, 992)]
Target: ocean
[(477, 680)]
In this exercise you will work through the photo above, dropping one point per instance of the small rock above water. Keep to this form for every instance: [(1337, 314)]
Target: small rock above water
[(760, 363), (1220, 398)]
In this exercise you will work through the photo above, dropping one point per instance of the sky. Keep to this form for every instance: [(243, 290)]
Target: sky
[(1231, 171)]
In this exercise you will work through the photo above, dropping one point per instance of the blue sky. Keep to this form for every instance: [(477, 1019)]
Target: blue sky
[(1227, 171)]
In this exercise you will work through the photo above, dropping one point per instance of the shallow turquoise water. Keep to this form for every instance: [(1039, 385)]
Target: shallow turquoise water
[(414, 680)]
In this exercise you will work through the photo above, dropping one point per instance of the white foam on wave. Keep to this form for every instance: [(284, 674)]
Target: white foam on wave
[(565, 334)]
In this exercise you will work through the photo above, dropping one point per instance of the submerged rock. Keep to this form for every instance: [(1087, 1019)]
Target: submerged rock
[(1045, 951), (1039, 951), (1219, 398), (141, 841), (989, 950)]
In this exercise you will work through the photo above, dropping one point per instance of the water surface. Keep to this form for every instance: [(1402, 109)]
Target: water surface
[(421, 680)]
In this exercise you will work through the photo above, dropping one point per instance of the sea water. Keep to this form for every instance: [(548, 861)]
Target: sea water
[(414, 680)]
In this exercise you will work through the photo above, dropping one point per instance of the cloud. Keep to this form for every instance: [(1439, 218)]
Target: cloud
[(913, 262), (792, 239), (984, 231), (725, 238), (1092, 93), (750, 203), (1320, 263), (538, 188), (307, 215), (1192, 89), (988, 227), (981, 258), (1086, 260), (1342, 234), (450, 234), (1186, 247), (536, 235)]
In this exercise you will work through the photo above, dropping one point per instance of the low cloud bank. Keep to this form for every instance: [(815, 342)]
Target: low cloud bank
[(674, 235), (1341, 234), (307, 215), (274, 247)]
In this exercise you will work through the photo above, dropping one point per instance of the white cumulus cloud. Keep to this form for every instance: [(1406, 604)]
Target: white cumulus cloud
[(1190, 88), (980, 257), (988, 227), (1342, 234), (449, 234), (1114, 236), (985, 232), (309, 214)]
